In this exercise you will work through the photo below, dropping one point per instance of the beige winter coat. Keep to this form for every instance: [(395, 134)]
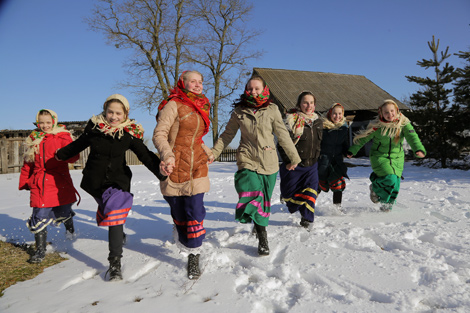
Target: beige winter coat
[(176, 133), (257, 150)]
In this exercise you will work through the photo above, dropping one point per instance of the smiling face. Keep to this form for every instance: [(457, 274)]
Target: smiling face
[(336, 114), (45, 122), (307, 104), (389, 112), (193, 83), (255, 87), (115, 114)]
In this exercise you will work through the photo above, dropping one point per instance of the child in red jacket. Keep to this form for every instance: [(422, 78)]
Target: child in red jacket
[(49, 181)]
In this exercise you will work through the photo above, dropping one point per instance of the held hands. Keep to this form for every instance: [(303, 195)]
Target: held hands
[(210, 159), (166, 168), (291, 167), (349, 155)]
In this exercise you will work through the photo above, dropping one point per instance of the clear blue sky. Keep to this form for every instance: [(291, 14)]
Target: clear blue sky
[(50, 59)]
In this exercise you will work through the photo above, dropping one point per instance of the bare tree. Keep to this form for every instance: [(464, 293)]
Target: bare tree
[(156, 30), (167, 34), (223, 49)]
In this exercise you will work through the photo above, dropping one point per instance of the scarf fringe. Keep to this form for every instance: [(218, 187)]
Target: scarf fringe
[(32, 146), (387, 129), (328, 124), (129, 126)]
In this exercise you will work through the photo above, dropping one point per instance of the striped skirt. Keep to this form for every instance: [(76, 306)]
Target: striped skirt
[(113, 207), (299, 189), (254, 193), (188, 214)]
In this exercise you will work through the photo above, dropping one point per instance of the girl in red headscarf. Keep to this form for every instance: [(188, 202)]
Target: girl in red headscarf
[(182, 121), (258, 120)]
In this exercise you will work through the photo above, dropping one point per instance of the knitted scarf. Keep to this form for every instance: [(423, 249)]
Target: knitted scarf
[(390, 129), (258, 102), (35, 138), (295, 122), (198, 102), (128, 126)]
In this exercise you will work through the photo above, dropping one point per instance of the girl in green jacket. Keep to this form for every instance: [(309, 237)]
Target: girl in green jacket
[(387, 157)]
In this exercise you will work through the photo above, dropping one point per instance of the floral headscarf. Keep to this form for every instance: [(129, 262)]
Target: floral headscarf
[(35, 138), (198, 102)]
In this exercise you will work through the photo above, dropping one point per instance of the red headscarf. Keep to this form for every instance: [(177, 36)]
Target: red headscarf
[(198, 102)]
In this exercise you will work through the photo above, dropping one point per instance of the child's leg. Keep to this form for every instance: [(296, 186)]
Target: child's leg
[(386, 187), (115, 239), (188, 214), (337, 197), (40, 218)]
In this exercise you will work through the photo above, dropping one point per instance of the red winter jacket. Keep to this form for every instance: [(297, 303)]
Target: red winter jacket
[(48, 179)]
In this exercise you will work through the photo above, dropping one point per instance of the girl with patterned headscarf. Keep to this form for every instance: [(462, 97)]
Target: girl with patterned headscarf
[(258, 120), (48, 180), (106, 176), (331, 169), (299, 187), (182, 121), (387, 156)]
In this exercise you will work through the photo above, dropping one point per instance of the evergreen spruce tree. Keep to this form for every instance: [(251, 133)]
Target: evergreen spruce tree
[(433, 112), (462, 99)]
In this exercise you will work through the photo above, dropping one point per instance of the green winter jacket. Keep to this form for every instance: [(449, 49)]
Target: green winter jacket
[(387, 156)]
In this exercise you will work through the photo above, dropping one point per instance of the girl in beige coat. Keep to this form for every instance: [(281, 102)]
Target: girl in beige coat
[(258, 119)]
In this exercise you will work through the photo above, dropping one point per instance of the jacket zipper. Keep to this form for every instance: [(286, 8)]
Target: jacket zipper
[(390, 155), (192, 156), (44, 164)]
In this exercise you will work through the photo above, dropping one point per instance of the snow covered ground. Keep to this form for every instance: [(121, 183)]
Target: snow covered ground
[(413, 259)]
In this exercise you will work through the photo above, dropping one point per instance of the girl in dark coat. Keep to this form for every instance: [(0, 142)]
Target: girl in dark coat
[(106, 175), (334, 146), (299, 186)]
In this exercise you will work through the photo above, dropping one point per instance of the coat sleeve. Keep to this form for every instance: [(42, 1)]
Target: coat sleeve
[(147, 157), (227, 136), (26, 172), (165, 120), (354, 149), (284, 138), (77, 146), (345, 143), (412, 138), (67, 140)]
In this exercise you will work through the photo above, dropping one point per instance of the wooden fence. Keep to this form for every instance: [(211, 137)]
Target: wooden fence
[(12, 154), (228, 155)]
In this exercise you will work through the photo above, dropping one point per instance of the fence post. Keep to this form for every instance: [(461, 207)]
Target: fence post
[(4, 155)]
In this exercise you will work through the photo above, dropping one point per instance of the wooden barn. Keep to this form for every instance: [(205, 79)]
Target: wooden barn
[(359, 96)]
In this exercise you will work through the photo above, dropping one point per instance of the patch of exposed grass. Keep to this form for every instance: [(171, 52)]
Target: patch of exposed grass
[(14, 266)]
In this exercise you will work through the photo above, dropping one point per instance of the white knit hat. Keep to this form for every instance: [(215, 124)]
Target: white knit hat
[(120, 98)]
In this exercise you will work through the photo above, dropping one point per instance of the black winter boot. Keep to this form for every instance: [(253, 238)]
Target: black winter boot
[(70, 229), (114, 269), (337, 197), (41, 242), (193, 266), (262, 235), (304, 223)]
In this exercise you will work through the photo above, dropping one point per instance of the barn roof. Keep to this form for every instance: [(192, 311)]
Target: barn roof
[(354, 92)]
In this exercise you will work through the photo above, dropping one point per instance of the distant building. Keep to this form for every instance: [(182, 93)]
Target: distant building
[(359, 96)]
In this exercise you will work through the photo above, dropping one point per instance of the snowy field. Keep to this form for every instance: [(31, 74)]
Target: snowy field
[(414, 259)]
